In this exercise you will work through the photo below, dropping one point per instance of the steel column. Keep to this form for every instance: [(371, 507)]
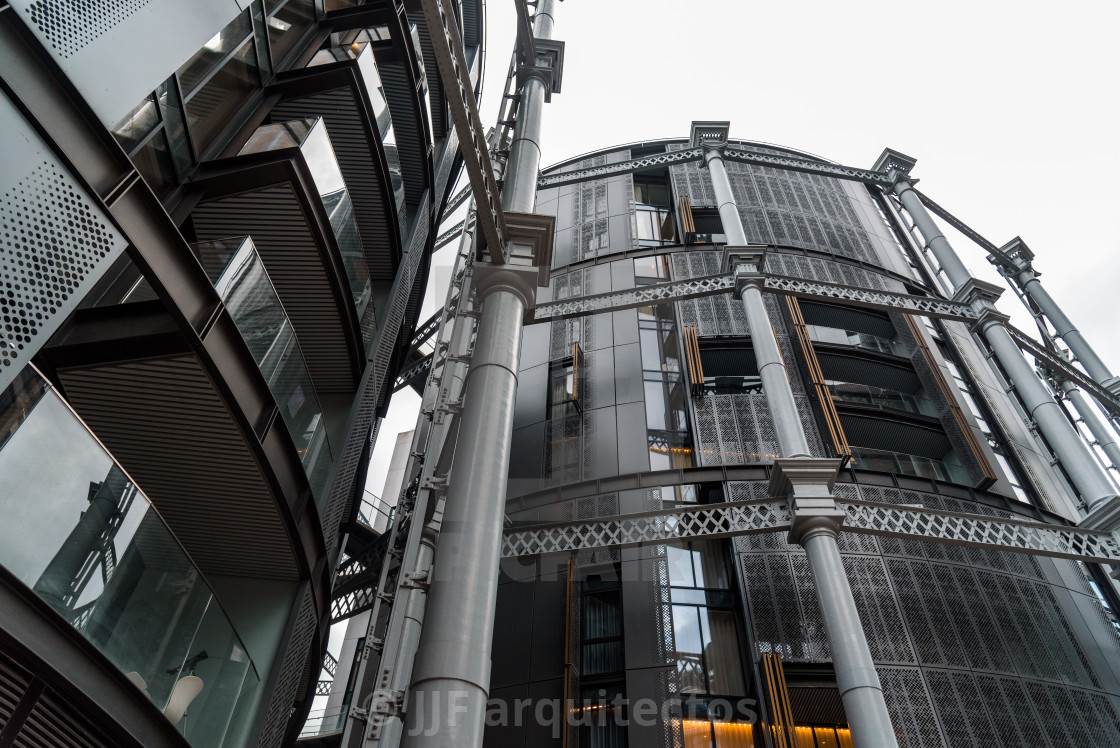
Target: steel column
[(856, 679), (817, 518), (451, 676), (1065, 328), (1080, 465), (955, 270), (1089, 412), (1082, 468)]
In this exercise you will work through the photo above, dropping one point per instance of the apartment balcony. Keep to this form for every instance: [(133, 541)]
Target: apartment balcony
[(343, 86), (285, 190), (90, 555), (900, 463)]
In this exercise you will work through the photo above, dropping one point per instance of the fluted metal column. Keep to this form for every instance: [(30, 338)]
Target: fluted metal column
[(817, 519), (1082, 468), (451, 677)]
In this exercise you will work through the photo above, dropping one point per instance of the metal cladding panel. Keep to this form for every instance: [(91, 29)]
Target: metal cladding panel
[(167, 425), (972, 647), (273, 217), (57, 242), (116, 53), (360, 168)]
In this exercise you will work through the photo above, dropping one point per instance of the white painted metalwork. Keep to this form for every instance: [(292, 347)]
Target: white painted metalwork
[(868, 297), (792, 163)]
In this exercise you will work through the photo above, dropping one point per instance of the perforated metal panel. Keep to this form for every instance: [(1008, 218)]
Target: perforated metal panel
[(291, 672), (908, 703), (57, 242)]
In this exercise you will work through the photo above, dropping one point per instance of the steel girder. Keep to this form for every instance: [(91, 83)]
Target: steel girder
[(657, 160), (660, 293), (426, 330), (928, 306), (1064, 369), (453, 71), (411, 373), (730, 153), (773, 515), (448, 236), (807, 166)]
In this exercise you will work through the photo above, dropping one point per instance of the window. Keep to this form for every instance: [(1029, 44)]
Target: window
[(705, 635), (563, 389), (602, 663)]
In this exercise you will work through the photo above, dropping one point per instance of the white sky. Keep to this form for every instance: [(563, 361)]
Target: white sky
[(1010, 110)]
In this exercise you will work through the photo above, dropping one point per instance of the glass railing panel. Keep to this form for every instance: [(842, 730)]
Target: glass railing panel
[(374, 514), (86, 540), (239, 276), (836, 336), (324, 721), (878, 397), (310, 136), (376, 91)]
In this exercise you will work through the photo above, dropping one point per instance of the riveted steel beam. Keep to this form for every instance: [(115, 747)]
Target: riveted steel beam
[(453, 71), (655, 161), (692, 288), (1064, 369), (772, 515), (806, 166)]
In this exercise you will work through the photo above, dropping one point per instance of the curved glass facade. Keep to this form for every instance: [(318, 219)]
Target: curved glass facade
[(79, 533)]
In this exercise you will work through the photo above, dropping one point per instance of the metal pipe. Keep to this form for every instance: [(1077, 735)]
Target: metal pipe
[(1102, 432), (954, 269), (859, 686), (1065, 327), (1082, 468), (451, 676)]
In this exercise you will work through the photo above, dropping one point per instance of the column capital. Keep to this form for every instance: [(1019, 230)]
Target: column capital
[(709, 134), (548, 67), (530, 239), (981, 297), (807, 482), (745, 263), (1019, 254), (1104, 515)]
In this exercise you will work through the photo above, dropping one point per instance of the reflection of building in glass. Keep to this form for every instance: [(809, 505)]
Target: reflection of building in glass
[(217, 224)]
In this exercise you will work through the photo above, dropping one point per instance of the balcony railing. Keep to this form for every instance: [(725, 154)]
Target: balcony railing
[(904, 464), (325, 721), (310, 137), (86, 540), (374, 514), (878, 397), (836, 336), (240, 278)]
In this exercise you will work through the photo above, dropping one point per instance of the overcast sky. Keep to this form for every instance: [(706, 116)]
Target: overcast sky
[(1009, 109)]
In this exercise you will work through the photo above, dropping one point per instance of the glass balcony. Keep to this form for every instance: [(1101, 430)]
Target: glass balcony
[(324, 721), (310, 136), (367, 65), (374, 514), (877, 397), (240, 278), (836, 336), (904, 464), (86, 540)]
